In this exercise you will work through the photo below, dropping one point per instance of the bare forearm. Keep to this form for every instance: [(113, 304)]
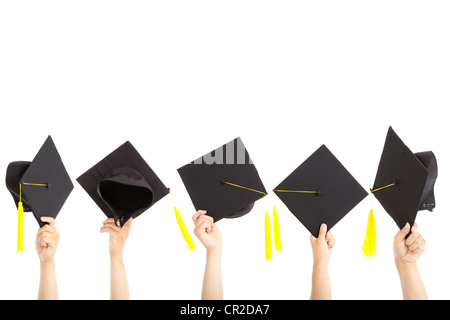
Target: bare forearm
[(48, 287), (212, 280), (321, 287), (119, 281), (411, 282)]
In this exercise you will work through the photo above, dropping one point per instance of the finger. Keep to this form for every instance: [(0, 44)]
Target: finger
[(205, 224), (197, 215), (419, 250), (110, 229), (207, 218), (415, 228), (203, 227), (322, 231), (412, 237), (109, 220), (46, 235), (44, 241), (401, 235), (128, 223), (329, 236), (331, 243), (48, 242), (112, 224), (416, 244), (422, 246), (49, 220), (46, 228)]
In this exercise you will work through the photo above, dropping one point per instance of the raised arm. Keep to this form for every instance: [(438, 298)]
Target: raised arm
[(407, 250), (119, 289), (47, 240), (209, 235), (321, 247)]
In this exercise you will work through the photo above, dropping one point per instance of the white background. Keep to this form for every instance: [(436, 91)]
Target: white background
[(181, 78)]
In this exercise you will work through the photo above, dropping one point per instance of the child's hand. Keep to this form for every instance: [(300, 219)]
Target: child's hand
[(47, 240), (322, 245), (206, 231), (118, 236), (411, 249)]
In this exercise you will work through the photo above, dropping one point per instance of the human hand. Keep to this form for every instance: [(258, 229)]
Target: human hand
[(322, 245), (117, 236), (206, 231), (411, 249), (47, 239)]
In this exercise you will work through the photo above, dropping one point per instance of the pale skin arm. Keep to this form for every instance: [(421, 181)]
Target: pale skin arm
[(406, 253), (118, 236), (47, 240), (321, 247), (209, 235)]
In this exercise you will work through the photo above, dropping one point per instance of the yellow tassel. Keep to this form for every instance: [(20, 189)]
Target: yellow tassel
[(276, 230), (268, 238), (183, 229), (20, 227), (369, 247)]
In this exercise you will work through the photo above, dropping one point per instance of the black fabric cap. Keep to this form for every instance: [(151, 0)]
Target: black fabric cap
[(123, 185), (46, 169), (206, 181), (428, 159), (337, 192), (410, 179)]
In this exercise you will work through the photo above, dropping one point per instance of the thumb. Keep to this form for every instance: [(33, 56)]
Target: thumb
[(401, 235), (322, 231)]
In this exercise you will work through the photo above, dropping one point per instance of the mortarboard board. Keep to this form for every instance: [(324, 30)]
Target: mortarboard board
[(41, 186), (124, 186), (320, 190), (224, 182)]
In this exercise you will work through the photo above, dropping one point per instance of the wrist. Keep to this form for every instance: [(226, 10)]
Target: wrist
[(403, 265), (214, 252), (116, 257), (320, 265), (47, 263)]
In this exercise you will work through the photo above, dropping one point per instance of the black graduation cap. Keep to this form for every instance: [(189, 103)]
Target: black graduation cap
[(43, 185), (404, 183), (320, 190), (224, 182), (123, 185)]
